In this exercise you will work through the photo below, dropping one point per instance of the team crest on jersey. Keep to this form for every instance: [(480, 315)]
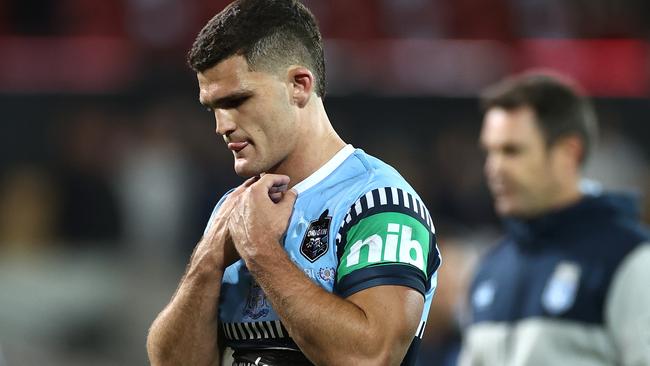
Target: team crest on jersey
[(327, 274), (257, 305), (315, 243), (483, 296), (562, 287)]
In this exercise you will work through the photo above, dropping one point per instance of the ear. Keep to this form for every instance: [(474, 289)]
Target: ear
[(302, 82), (571, 149)]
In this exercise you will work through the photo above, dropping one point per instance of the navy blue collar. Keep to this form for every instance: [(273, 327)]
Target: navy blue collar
[(557, 224)]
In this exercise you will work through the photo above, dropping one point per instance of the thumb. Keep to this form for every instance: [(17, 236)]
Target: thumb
[(288, 199)]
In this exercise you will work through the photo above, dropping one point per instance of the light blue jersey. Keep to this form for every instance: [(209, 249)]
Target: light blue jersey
[(356, 224)]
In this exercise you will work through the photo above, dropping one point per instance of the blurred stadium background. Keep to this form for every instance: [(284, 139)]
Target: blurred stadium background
[(109, 167)]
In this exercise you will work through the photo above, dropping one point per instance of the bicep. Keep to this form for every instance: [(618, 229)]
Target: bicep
[(392, 312)]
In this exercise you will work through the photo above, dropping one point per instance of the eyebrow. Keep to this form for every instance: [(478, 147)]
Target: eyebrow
[(228, 99)]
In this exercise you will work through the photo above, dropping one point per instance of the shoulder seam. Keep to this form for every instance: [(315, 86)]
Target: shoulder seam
[(387, 197)]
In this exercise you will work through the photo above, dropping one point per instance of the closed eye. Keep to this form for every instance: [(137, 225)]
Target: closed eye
[(232, 102), (512, 150)]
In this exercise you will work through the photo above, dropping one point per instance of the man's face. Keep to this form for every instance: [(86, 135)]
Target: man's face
[(518, 166), (253, 114)]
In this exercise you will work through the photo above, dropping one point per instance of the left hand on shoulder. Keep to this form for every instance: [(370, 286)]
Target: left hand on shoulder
[(261, 217)]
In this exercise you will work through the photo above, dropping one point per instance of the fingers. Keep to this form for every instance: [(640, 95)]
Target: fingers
[(275, 197), (288, 198), (273, 180), (276, 192), (233, 197), (272, 185), (251, 180), (247, 183), (276, 189)]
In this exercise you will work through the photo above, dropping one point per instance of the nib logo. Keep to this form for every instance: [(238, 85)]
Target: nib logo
[(397, 246)]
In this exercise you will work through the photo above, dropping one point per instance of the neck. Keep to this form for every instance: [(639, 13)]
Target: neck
[(567, 196), (316, 145)]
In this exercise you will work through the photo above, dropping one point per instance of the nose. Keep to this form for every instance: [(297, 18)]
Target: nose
[(493, 164), (225, 124)]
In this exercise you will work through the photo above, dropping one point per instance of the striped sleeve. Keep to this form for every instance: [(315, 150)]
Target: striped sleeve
[(386, 238)]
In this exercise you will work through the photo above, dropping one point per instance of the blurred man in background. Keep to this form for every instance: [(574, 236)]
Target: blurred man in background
[(568, 285), (338, 270)]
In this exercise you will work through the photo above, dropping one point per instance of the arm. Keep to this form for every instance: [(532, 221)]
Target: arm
[(185, 332), (371, 327), (627, 311)]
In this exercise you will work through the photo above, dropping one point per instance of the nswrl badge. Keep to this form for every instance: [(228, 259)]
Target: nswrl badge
[(561, 289), (257, 305), (315, 243)]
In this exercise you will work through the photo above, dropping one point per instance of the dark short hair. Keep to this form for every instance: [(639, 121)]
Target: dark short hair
[(561, 109), (269, 33)]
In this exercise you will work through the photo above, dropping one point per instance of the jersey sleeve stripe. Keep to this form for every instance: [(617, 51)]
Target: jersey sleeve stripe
[(230, 334), (240, 331), (357, 208), (269, 328), (406, 203), (226, 331), (382, 196), (260, 334), (278, 328), (394, 197), (393, 274), (249, 333), (370, 201), (255, 328), (261, 327), (420, 331), (366, 205)]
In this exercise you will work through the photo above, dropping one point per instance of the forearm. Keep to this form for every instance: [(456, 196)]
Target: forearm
[(328, 329), (185, 332)]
